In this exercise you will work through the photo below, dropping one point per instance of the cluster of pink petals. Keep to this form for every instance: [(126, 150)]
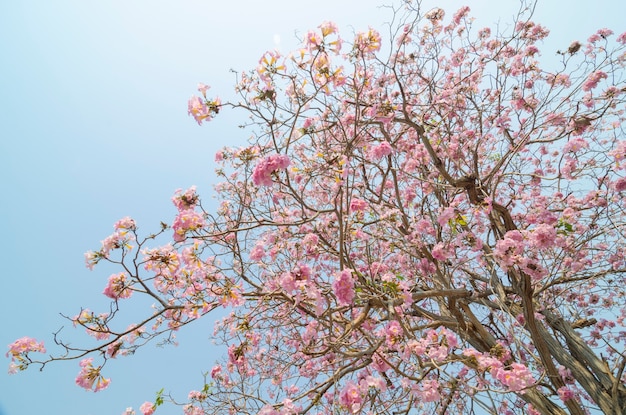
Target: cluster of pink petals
[(118, 287), (516, 378), (187, 220), (367, 42), (25, 345), (565, 393), (509, 249), (592, 80), (20, 348), (118, 239), (126, 223), (428, 391), (185, 200), (382, 150), (343, 287), (262, 174), (90, 378), (357, 205), (201, 108), (147, 408), (351, 398)]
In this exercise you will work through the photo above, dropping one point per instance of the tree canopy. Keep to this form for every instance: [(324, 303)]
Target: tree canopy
[(427, 220)]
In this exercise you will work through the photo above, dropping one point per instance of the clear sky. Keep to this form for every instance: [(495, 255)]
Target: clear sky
[(93, 127)]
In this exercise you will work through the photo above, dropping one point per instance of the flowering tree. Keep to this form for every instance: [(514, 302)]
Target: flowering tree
[(429, 222)]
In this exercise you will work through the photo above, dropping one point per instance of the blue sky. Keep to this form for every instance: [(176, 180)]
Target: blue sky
[(93, 127)]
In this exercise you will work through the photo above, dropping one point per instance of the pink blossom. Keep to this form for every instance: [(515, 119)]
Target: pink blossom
[(185, 200), (509, 249), (543, 236), (439, 252), (192, 410), (380, 151), (622, 38), (328, 28), (125, 223), (92, 258), (119, 239), (446, 215), (215, 372), (620, 184), (202, 88), (262, 174), (118, 287), (310, 241), (196, 395), (357, 205), (592, 80), (393, 332), (460, 14), (185, 221), (516, 378), (90, 378), (350, 397), (203, 109), (429, 391), (258, 252), (367, 42), (343, 287), (575, 144), (565, 393), (147, 408), (19, 349)]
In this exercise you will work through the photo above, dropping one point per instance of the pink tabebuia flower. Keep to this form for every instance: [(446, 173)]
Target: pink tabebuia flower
[(343, 287), (188, 220), (592, 80), (125, 223), (147, 408), (185, 200), (350, 397), (19, 349), (118, 287), (429, 391), (565, 393), (90, 378), (367, 42), (203, 109), (543, 236), (357, 205), (516, 378), (620, 184), (262, 174), (380, 151)]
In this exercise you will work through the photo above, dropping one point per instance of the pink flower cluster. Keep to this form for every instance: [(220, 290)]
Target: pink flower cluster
[(367, 42), (19, 349), (382, 150), (185, 200), (351, 398), (516, 378), (118, 287), (509, 250), (343, 287), (147, 408), (262, 174), (592, 80), (203, 109), (315, 43), (90, 378), (187, 220), (126, 223), (357, 205)]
